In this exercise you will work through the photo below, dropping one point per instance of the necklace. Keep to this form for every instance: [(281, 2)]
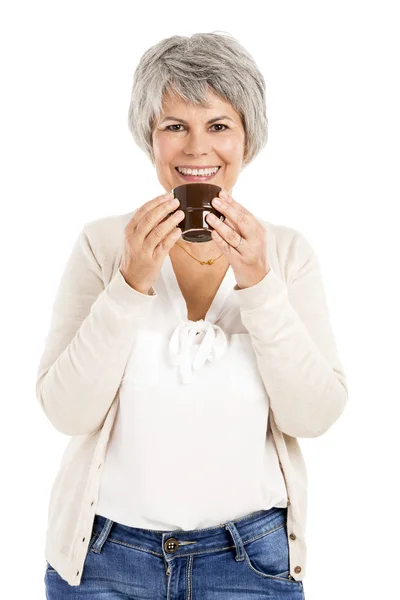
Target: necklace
[(202, 262)]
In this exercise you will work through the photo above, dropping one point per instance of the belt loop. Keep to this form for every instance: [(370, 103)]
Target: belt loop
[(98, 545), (230, 526)]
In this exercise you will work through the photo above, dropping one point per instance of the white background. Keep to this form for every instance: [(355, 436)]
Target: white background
[(330, 169)]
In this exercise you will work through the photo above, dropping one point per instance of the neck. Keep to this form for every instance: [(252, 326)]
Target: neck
[(201, 251)]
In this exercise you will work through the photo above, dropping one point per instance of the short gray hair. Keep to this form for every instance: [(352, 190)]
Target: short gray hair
[(189, 67)]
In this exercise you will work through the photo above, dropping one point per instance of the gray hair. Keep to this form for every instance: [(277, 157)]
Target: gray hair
[(189, 67)]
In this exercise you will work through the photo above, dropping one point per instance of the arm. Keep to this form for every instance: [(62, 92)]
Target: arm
[(296, 351), (91, 334)]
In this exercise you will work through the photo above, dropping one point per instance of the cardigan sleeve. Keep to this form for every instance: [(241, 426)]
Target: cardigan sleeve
[(90, 337), (290, 329)]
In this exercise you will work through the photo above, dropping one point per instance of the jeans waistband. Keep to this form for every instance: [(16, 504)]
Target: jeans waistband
[(178, 542)]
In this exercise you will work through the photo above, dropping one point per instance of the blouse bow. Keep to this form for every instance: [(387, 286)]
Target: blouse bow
[(212, 347)]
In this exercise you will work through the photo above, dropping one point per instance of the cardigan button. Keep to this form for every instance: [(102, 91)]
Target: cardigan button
[(297, 569), (292, 536)]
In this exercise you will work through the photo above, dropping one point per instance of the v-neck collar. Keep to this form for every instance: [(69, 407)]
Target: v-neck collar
[(179, 302)]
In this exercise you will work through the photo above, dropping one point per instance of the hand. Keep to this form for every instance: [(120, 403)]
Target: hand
[(249, 259), (149, 236)]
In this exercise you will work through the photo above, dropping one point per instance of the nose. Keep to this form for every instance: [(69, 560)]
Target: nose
[(197, 144)]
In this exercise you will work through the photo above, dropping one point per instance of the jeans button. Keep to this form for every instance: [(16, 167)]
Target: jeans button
[(171, 545)]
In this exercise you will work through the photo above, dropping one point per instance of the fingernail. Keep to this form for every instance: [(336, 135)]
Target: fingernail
[(169, 196), (223, 194)]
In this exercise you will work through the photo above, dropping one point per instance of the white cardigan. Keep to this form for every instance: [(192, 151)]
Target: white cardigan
[(278, 332)]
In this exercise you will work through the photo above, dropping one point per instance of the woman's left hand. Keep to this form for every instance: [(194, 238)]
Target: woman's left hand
[(248, 259)]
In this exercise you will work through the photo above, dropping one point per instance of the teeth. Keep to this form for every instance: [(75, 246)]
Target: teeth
[(198, 171)]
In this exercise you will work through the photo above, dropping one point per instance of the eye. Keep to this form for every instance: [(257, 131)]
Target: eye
[(220, 125), (180, 125)]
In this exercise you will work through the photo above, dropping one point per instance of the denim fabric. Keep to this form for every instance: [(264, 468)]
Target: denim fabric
[(240, 559)]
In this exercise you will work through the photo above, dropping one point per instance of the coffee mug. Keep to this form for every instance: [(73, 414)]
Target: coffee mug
[(195, 201)]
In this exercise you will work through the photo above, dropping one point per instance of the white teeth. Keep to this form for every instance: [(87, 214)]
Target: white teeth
[(203, 172)]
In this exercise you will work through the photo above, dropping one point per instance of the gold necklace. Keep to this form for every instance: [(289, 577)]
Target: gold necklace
[(202, 262)]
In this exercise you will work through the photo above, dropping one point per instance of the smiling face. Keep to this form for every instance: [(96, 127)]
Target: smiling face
[(190, 140)]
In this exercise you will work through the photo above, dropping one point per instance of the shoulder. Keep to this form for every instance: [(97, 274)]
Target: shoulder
[(110, 226), (290, 246), (106, 234)]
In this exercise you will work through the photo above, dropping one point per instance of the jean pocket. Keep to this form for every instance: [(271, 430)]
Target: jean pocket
[(49, 568), (268, 555), (143, 365)]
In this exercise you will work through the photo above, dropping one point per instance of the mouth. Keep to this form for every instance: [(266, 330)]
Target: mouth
[(197, 177)]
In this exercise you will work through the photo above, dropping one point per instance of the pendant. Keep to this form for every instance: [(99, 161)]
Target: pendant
[(207, 262)]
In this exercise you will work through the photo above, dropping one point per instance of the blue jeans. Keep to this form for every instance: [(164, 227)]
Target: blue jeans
[(245, 558)]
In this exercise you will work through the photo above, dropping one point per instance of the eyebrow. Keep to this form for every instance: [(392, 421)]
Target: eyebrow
[(208, 122)]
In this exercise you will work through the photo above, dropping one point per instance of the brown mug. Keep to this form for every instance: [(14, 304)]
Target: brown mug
[(195, 201)]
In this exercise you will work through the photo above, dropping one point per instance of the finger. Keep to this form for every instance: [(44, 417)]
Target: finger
[(147, 207), (228, 222), (158, 220), (225, 246), (238, 215), (166, 231), (165, 245), (229, 234)]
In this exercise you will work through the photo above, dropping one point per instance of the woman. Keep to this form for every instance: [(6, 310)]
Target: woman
[(185, 372)]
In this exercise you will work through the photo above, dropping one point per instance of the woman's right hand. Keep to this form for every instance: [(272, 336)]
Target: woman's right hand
[(148, 240)]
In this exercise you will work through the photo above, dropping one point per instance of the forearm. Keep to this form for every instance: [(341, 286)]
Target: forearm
[(304, 380), (78, 378)]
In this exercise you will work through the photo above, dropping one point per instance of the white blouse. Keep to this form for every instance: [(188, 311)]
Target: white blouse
[(191, 446)]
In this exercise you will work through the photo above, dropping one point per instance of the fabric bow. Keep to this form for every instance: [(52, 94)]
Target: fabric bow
[(212, 346)]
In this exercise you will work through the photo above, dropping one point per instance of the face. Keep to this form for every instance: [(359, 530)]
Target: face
[(189, 140)]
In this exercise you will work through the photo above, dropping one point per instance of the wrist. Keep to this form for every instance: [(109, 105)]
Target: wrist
[(132, 285)]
